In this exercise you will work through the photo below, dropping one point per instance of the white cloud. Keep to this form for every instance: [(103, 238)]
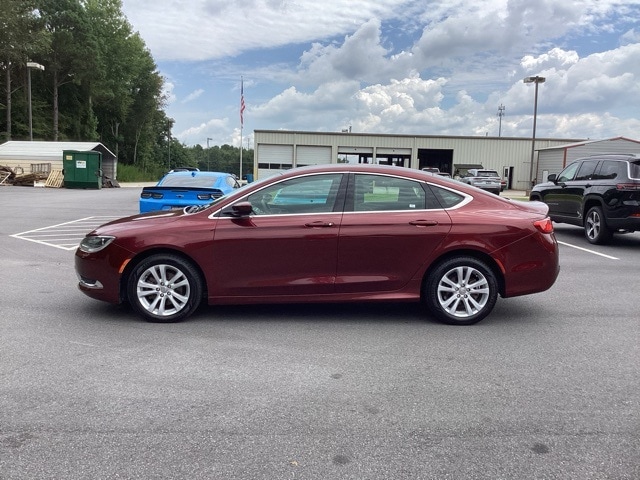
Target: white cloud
[(193, 95), (214, 128), (167, 91), (210, 29), (403, 66)]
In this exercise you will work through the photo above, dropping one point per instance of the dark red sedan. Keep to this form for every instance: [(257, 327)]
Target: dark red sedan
[(333, 233)]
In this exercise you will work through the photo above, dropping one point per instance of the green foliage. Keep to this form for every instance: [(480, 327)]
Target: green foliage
[(100, 81), (223, 158), (133, 173)]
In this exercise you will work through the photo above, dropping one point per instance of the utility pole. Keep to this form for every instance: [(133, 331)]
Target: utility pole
[(500, 115)]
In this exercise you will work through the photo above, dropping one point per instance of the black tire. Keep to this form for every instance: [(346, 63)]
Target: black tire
[(461, 291), (595, 227), (153, 293)]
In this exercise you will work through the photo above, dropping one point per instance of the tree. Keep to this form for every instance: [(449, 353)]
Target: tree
[(65, 22), (21, 39), (100, 80)]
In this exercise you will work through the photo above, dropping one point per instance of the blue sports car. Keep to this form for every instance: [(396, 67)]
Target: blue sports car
[(180, 189)]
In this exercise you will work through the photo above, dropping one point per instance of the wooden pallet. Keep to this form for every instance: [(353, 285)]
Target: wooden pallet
[(3, 178), (55, 179)]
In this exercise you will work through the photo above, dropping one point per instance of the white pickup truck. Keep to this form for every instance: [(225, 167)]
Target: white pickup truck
[(485, 179)]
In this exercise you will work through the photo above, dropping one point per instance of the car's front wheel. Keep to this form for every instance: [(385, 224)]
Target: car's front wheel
[(595, 227), (461, 291), (164, 288)]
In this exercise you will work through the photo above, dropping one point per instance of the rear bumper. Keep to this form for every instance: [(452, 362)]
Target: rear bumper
[(629, 223), (534, 269)]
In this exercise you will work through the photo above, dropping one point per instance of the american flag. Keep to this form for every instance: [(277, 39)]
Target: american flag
[(242, 106)]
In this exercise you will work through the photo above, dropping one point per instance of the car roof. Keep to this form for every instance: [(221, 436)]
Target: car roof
[(628, 157), (360, 167)]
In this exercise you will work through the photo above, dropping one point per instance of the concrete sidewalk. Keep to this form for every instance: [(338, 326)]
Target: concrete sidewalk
[(516, 194)]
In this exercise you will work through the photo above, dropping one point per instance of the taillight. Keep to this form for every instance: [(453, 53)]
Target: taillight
[(157, 196), (628, 186), (545, 226)]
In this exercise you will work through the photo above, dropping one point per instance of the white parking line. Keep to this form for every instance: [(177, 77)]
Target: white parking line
[(65, 236), (588, 251)]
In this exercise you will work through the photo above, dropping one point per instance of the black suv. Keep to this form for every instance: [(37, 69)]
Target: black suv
[(599, 193)]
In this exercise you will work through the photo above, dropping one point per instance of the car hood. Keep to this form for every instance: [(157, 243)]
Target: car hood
[(138, 222)]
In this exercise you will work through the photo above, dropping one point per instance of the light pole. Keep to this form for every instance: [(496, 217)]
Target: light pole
[(208, 154), (31, 65), (537, 80)]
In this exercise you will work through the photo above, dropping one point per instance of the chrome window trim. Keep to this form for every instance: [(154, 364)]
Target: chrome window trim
[(466, 197)]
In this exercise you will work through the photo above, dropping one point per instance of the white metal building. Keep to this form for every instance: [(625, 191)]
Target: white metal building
[(42, 157), (554, 159), (277, 150)]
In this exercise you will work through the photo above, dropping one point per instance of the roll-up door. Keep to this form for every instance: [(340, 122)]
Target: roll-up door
[(273, 159), (312, 155), (393, 151)]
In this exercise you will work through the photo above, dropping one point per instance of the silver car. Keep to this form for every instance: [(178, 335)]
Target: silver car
[(485, 179)]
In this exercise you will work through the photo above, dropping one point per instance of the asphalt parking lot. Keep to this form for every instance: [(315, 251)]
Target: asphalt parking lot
[(546, 387)]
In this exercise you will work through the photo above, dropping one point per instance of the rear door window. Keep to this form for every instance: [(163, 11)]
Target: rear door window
[(383, 193), (586, 170)]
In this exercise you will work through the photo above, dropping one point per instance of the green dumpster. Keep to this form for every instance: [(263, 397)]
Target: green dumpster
[(82, 169)]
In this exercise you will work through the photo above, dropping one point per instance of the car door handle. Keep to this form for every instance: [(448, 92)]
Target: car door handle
[(423, 223), (319, 224)]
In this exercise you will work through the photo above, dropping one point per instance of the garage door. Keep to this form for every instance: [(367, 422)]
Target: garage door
[(273, 159), (308, 155)]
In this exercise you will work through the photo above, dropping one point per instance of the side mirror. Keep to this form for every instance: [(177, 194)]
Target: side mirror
[(552, 177), (242, 209)]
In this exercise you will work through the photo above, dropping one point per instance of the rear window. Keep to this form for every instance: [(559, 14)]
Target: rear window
[(488, 173), (587, 169), (189, 181), (635, 170)]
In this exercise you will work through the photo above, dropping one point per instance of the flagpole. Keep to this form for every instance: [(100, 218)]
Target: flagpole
[(241, 121)]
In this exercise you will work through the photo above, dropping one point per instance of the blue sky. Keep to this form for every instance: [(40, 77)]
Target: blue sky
[(395, 66)]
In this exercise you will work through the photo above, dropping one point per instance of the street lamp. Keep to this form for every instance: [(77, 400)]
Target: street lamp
[(537, 80), (208, 154), (31, 65)]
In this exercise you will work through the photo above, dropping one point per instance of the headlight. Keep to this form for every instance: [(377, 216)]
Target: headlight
[(95, 243)]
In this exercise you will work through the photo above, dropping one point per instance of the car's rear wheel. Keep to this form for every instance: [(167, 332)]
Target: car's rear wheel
[(461, 291), (164, 288), (595, 227)]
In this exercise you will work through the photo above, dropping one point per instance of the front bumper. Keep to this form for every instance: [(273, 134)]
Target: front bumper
[(99, 274)]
